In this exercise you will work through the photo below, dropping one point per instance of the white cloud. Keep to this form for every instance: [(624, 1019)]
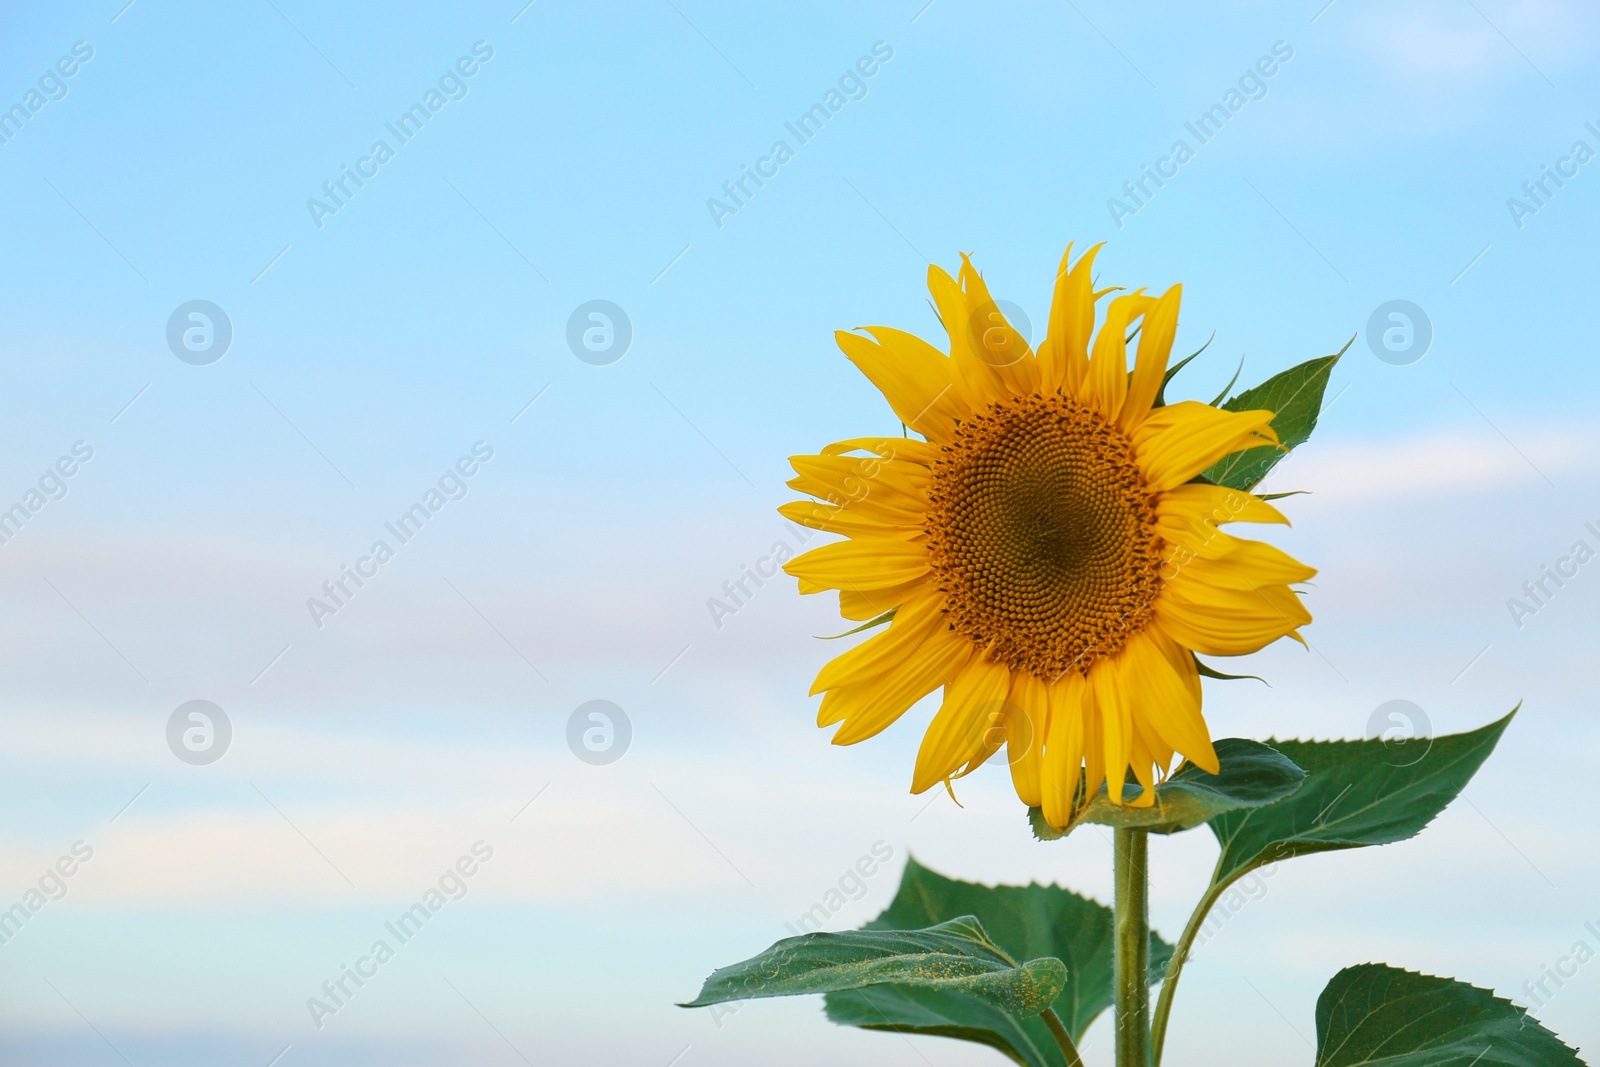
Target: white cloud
[(1452, 462), (1450, 44)]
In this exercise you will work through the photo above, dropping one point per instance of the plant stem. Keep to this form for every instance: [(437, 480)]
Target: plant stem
[(1180, 956), (1131, 915), (1063, 1039)]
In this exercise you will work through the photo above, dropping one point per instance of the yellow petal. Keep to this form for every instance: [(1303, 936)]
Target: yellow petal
[(909, 477), (993, 340), (1114, 716), (887, 449), (1216, 621), (1197, 502), (1062, 768), (1165, 688), (851, 522), (1094, 752), (863, 604), (950, 303), (1064, 354), (912, 375), (1150, 751), (913, 624), (1142, 762), (868, 708), (1027, 723), (1107, 384), (1178, 441), (1232, 562), (861, 563), (1150, 365), (890, 489), (977, 384), (969, 726)]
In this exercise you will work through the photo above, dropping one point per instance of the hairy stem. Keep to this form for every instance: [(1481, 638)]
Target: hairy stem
[(1131, 915), (1058, 1030)]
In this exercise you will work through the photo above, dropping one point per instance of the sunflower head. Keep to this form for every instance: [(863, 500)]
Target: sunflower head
[(1045, 551)]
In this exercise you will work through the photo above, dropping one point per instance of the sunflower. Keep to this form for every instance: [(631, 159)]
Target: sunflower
[(1047, 552)]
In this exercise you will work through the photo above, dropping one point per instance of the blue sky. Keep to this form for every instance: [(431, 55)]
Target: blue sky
[(371, 352)]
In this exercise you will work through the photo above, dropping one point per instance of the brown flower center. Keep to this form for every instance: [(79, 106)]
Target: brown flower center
[(1043, 534)]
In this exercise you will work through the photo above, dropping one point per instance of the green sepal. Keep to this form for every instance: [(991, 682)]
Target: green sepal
[(1161, 393), (1231, 383), (1295, 399), (1375, 1013), (869, 624), (1250, 774), (1212, 672)]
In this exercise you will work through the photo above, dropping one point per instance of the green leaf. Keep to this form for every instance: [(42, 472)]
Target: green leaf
[(1295, 399), (1375, 1014), (1026, 921), (1251, 774), (1356, 793), (955, 956), (910, 1010)]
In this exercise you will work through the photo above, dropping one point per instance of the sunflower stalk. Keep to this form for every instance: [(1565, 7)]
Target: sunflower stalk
[(1131, 965)]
